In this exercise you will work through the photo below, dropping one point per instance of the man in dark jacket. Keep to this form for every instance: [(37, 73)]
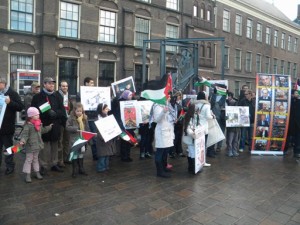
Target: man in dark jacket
[(56, 116), (7, 130)]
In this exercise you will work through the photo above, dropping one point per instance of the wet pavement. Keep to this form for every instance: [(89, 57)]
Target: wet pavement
[(243, 190)]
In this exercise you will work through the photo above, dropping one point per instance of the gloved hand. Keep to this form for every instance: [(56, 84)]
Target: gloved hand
[(52, 114)]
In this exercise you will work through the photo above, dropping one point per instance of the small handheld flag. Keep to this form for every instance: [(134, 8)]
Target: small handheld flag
[(12, 150)]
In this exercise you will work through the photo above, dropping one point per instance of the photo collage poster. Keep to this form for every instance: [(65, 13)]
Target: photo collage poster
[(272, 113), (237, 116)]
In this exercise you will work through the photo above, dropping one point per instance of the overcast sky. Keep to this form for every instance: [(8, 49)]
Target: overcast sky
[(288, 7)]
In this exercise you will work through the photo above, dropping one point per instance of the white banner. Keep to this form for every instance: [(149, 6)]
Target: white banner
[(2, 108), (108, 127), (199, 144), (91, 97), (215, 134)]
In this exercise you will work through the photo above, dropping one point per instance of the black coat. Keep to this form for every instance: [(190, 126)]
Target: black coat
[(56, 115), (9, 119)]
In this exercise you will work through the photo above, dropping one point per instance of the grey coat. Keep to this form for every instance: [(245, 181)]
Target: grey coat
[(104, 148), (33, 138), (72, 127)]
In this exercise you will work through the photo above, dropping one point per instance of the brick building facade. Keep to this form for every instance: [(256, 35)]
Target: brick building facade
[(72, 39)]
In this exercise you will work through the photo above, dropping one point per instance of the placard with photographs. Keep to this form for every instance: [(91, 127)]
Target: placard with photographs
[(121, 85), (272, 114), (145, 109), (130, 114), (199, 144), (237, 116)]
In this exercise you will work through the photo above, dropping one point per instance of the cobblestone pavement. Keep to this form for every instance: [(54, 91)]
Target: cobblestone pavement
[(244, 190)]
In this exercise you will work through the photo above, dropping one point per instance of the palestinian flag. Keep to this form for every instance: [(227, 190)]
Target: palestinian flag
[(159, 96), (126, 136), (221, 91), (181, 115), (45, 107), (204, 82), (87, 135), (12, 150)]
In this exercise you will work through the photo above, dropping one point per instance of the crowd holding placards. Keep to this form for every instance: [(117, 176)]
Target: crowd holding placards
[(52, 135)]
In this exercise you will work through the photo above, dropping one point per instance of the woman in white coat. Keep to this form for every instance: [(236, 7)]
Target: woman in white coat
[(203, 106), (164, 136)]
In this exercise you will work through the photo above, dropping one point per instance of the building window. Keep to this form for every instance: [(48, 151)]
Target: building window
[(69, 20), (21, 62), (106, 73), (268, 35), (249, 28), (283, 40), (238, 59), (275, 38), (195, 11), (267, 64), (226, 57), (258, 63), (172, 4), (107, 29), (208, 14), (68, 71), (138, 77), (236, 88), (248, 61), (202, 10), (202, 51), (208, 49), (238, 25), (259, 32), (275, 66), (142, 27), (296, 45), (282, 66), (290, 43), (226, 21), (295, 70), (289, 68), (21, 15), (171, 32)]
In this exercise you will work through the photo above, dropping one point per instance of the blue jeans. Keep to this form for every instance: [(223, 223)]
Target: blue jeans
[(102, 163), (93, 129), (161, 155), (246, 132)]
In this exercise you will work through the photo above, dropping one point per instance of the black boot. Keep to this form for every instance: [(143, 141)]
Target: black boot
[(74, 167), (160, 170), (81, 169), (190, 166)]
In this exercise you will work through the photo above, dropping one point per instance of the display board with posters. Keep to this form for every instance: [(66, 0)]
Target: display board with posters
[(272, 114), (199, 144), (130, 114), (91, 97), (237, 116), (122, 85)]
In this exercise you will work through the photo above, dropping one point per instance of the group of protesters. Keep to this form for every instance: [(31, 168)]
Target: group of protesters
[(53, 121)]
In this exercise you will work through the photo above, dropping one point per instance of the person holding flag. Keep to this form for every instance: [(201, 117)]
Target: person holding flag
[(31, 137), (53, 112), (77, 122)]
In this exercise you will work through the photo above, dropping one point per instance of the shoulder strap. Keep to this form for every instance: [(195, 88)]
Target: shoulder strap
[(201, 107)]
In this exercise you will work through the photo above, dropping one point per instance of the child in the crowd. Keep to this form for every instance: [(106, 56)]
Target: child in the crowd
[(31, 138), (104, 149), (77, 122)]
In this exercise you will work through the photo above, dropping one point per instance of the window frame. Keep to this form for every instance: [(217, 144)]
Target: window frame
[(238, 60), (140, 32), (267, 64), (170, 48), (276, 38), (60, 19), (258, 63), (268, 35), (249, 29), (283, 41), (169, 4), (115, 25), (33, 22), (238, 25), (99, 69), (248, 62), (18, 66), (259, 32), (275, 66), (289, 48), (226, 21)]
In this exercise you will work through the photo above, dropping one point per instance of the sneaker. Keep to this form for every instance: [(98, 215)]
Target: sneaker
[(207, 164), (229, 154), (9, 171), (169, 166), (148, 155), (235, 154), (241, 150)]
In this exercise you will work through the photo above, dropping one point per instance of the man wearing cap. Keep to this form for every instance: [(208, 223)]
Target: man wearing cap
[(52, 112), (7, 130), (35, 88)]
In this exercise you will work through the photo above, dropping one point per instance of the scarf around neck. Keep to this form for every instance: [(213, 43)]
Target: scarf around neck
[(48, 92), (80, 122), (36, 123), (3, 92)]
